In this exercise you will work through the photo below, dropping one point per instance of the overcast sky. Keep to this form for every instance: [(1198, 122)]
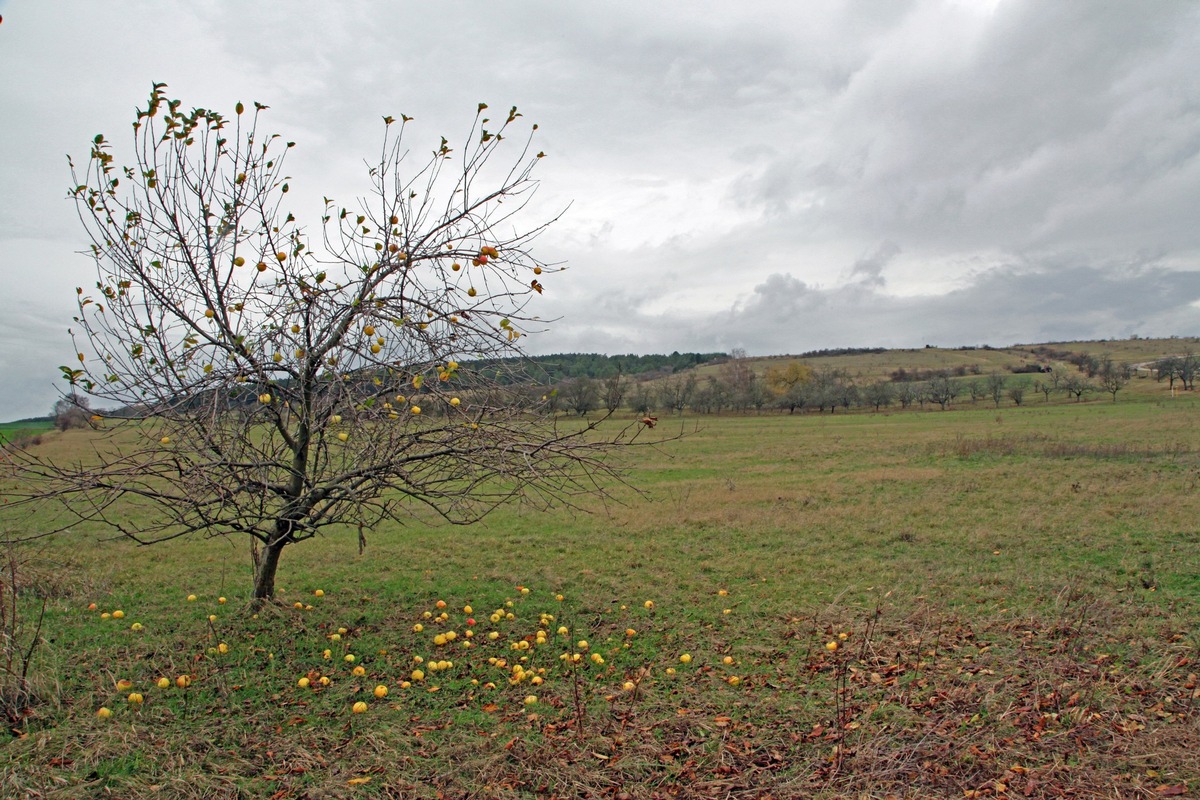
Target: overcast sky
[(774, 176)]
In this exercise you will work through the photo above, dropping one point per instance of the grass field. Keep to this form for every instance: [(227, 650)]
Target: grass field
[(16, 431), (971, 603)]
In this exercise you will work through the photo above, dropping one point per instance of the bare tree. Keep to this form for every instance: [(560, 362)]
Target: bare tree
[(276, 386), (1076, 386), (675, 392), (1113, 377), (641, 399), (879, 394), (1016, 393), (995, 387), (614, 391), (71, 411), (942, 391), (581, 396)]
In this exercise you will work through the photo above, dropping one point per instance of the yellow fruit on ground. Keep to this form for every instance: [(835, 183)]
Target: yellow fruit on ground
[(831, 646), (454, 401), (222, 600), (335, 418), (381, 691), (649, 604), (163, 683), (319, 593), (104, 713), (417, 675), (415, 409), (359, 671), (343, 437), (359, 707), (531, 700), (303, 683), (118, 614), (348, 658), (165, 440), (686, 658), (124, 685), (628, 686), (135, 698), (183, 681), (191, 598)]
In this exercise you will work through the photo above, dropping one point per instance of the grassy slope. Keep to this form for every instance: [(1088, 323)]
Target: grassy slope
[(1019, 589)]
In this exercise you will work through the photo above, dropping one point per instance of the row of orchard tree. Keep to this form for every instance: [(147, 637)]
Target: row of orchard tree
[(734, 386)]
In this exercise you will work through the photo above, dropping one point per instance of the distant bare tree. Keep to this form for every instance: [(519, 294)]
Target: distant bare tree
[(879, 394), (614, 391), (1076, 386), (1113, 377), (995, 387), (942, 391), (72, 411)]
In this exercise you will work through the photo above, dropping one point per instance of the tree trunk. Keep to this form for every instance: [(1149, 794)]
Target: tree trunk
[(264, 575)]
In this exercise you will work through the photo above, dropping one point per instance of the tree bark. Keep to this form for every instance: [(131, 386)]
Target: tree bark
[(264, 576)]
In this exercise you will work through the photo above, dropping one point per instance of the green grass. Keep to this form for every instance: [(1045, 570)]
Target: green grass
[(17, 431), (1019, 591)]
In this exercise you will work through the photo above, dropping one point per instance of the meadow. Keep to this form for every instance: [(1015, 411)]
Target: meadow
[(979, 602), (16, 431)]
